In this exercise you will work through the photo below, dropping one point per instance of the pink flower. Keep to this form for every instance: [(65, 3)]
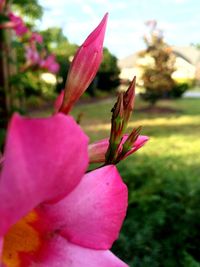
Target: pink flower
[(98, 149), (32, 55), (50, 64), (36, 37), (49, 215), (18, 24), (84, 66)]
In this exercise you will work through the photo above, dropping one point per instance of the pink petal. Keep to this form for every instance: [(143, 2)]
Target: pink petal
[(50, 64), (1, 247), (44, 160), (98, 149), (60, 253), (141, 140), (92, 214), (54, 67), (19, 26), (32, 55), (84, 66)]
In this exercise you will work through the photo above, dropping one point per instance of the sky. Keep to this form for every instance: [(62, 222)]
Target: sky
[(179, 20)]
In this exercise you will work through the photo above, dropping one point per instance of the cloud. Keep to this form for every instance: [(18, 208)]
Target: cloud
[(178, 18)]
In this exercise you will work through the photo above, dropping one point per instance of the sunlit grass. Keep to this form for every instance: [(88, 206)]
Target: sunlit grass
[(174, 145)]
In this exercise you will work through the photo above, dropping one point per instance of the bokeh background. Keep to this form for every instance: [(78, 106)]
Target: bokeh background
[(159, 42)]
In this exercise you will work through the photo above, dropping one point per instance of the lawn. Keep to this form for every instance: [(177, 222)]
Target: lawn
[(174, 145), (163, 220)]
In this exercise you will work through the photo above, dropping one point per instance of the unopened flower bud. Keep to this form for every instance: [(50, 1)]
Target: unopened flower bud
[(131, 139), (117, 128), (84, 66), (129, 98)]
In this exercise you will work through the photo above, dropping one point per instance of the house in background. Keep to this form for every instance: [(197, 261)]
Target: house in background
[(187, 65)]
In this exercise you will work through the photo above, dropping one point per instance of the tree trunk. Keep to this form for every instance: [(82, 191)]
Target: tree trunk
[(4, 99)]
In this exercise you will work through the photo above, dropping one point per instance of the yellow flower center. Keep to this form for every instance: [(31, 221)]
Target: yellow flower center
[(21, 238)]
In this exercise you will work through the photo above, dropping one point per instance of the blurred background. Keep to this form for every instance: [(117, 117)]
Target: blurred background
[(159, 42)]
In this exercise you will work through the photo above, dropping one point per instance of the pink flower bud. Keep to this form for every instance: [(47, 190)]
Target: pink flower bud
[(129, 98), (84, 66)]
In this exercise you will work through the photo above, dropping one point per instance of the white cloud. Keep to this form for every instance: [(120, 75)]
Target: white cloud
[(179, 19)]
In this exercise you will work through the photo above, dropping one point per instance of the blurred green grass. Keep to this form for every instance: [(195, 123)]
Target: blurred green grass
[(174, 143)]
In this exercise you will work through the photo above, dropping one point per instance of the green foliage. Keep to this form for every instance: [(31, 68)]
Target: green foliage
[(56, 42), (180, 87), (162, 222), (178, 90), (28, 8), (108, 74), (3, 18), (2, 138)]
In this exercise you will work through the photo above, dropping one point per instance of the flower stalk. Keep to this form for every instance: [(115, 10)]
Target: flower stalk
[(122, 111)]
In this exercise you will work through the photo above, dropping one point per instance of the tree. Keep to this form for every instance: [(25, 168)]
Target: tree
[(6, 40), (28, 8), (157, 74), (108, 75), (57, 43), (22, 52)]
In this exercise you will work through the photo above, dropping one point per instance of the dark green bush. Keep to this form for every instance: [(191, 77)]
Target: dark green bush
[(162, 224), (178, 90)]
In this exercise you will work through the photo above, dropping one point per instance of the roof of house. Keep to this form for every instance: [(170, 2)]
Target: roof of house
[(189, 53)]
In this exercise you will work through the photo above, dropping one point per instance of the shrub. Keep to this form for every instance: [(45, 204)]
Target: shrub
[(178, 90), (162, 225)]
